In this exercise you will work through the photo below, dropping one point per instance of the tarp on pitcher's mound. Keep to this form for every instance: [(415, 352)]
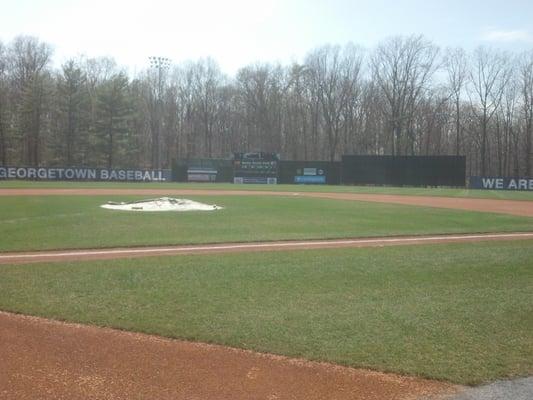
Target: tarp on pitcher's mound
[(161, 204)]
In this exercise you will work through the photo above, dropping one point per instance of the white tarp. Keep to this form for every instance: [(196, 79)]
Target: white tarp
[(161, 204)]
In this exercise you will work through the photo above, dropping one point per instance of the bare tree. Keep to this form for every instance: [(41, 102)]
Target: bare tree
[(335, 73), (509, 133), (373, 140), (488, 78), (403, 68), (99, 70), (229, 125), (313, 96), (207, 79), (457, 73), (183, 79), (298, 138), (261, 90), (526, 83), (429, 124)]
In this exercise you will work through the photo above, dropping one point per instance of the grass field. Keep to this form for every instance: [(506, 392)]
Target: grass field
[(456, 312), (446, 192), (461, 312), (59, 222)]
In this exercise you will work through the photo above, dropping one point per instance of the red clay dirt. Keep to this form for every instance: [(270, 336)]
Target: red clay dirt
[(514, 207), (44, 359)]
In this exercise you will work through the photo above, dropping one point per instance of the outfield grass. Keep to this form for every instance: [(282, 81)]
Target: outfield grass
[(60, 222), (456, 312), (445, 192)]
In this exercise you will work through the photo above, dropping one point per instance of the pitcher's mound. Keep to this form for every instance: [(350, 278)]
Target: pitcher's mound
[(161, 204)]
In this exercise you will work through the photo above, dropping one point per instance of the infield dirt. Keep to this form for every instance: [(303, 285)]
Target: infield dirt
[(53, 360)]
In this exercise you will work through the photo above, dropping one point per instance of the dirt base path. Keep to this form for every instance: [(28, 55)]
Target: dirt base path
[(43, 359), (115, 253), (514, 207)]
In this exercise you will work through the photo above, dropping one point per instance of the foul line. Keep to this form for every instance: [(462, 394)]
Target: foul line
[(257, 246)]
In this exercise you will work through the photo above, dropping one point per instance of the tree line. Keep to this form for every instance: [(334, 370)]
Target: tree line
[(406, 96)]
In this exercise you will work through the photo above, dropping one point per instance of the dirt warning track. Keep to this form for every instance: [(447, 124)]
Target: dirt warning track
[(114, 253), (44, 359), (513, 207)]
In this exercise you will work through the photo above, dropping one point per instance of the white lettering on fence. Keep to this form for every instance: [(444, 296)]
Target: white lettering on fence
[(488, 183)]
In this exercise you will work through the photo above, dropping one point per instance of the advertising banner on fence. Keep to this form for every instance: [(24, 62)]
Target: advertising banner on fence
[(84, 174), (258, 180), (310, 179), (201, 175), (310, 176), (500, 183)]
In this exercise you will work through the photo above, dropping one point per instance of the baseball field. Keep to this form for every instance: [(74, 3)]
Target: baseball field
[(361, 292)]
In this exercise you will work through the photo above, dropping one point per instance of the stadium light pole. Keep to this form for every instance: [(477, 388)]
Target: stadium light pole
[(160, 64)]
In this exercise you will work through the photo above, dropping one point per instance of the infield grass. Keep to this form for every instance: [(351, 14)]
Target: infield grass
[(412, 191), (456, 312), (61, 222)]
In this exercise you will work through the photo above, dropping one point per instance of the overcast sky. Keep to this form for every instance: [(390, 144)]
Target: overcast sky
[(238, 32)]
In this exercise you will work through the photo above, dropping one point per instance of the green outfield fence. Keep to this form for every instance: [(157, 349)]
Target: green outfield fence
[(447, 171)]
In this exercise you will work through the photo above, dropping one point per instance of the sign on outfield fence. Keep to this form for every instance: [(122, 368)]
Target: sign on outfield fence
[(84, 174), (500, 183)]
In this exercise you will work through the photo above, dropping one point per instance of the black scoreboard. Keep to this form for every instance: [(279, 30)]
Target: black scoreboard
[(257, 167)]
